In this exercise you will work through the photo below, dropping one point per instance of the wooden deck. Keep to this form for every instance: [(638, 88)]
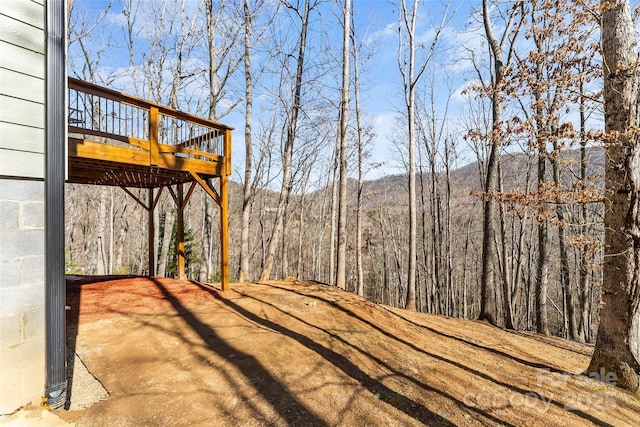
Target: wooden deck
[(121, 140)]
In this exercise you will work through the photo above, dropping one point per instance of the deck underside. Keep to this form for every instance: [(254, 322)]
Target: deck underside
[(104, 164)]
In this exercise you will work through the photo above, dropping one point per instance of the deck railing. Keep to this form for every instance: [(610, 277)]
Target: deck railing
[(108, 116)]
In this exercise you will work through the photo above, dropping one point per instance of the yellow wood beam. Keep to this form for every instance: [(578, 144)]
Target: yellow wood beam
[(211, 191), (189, 193), (86, 149), (174, 196), (180, 232), (174, 149), (224, 233), (153, 136), (140, 202), (173, 162), (227, 153), (150, 239), (105, 152)]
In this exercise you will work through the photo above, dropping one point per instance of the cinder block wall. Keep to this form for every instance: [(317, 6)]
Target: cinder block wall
[(22, 331)]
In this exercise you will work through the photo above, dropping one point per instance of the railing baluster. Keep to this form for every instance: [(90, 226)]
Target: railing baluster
[(103, 112)]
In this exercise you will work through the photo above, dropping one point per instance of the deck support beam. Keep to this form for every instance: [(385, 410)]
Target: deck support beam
[(224, 233), (158, 158), (150, 238), (180, 231), (222, 200), (150, 207)]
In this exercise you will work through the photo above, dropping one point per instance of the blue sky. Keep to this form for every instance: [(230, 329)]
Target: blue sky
[(382, 96)]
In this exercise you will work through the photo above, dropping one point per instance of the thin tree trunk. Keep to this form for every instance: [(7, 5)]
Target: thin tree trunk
[(101, 264), (360, 136), (166, 242), (333, 217), (488, 307), (565, 279), (542, 270), (247, 193), (410, 82), (341, 262), (507, 296), (585, 302), (111, 230)]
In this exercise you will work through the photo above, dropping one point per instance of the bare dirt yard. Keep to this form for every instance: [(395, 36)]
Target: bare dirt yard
[(294, 353)]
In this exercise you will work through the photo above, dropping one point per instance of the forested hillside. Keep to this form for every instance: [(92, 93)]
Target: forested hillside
[(107, 234), (489, 122)]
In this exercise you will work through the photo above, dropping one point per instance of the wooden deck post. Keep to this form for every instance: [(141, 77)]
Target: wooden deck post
[(224, 233), (150, 240), (180, 232), (224, 213), (153, 136), (110, 155)]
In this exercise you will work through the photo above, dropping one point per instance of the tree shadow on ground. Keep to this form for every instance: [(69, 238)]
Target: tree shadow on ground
[(410, 407), (455, 363), (276, 394)]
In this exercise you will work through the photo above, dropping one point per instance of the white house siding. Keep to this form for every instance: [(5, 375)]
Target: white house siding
[(22, 88), (22, 226)]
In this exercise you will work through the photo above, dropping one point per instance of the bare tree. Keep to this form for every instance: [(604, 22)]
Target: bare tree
[(488, 307), (247, 194), (411, 72), (221, 40), (362, 135), (291, 128), (342, 135), (617, 347)]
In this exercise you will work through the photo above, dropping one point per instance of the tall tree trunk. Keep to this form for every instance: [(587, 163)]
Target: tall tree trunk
[(101, 262), (430, 281), (507, 278), (206, 265), (488, 308), (344, 111), (617, 349), (205, 255), (301, 228), (409, 19), (542, 270), (111, 229), (448, 258), (565, 279), (284, 255), (436, 238), (220, 65), (247, 193), (288, 148), (360, 136), (584, 334), (333, 215), (166, 242)]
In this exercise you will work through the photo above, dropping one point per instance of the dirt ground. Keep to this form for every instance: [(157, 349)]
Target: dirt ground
[(292, 353)]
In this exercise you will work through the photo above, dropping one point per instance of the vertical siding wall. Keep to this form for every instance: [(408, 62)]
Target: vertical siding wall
[(22, 230)]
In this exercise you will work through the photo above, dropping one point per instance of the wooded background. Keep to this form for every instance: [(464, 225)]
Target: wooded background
[(527, 183)]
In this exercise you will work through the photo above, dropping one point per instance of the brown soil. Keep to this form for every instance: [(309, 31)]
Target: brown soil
[(281, 353)]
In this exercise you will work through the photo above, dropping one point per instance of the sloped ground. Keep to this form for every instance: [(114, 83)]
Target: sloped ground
[(297, 353)]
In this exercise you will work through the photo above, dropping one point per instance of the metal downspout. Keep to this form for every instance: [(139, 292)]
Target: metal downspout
[(56, 140)]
